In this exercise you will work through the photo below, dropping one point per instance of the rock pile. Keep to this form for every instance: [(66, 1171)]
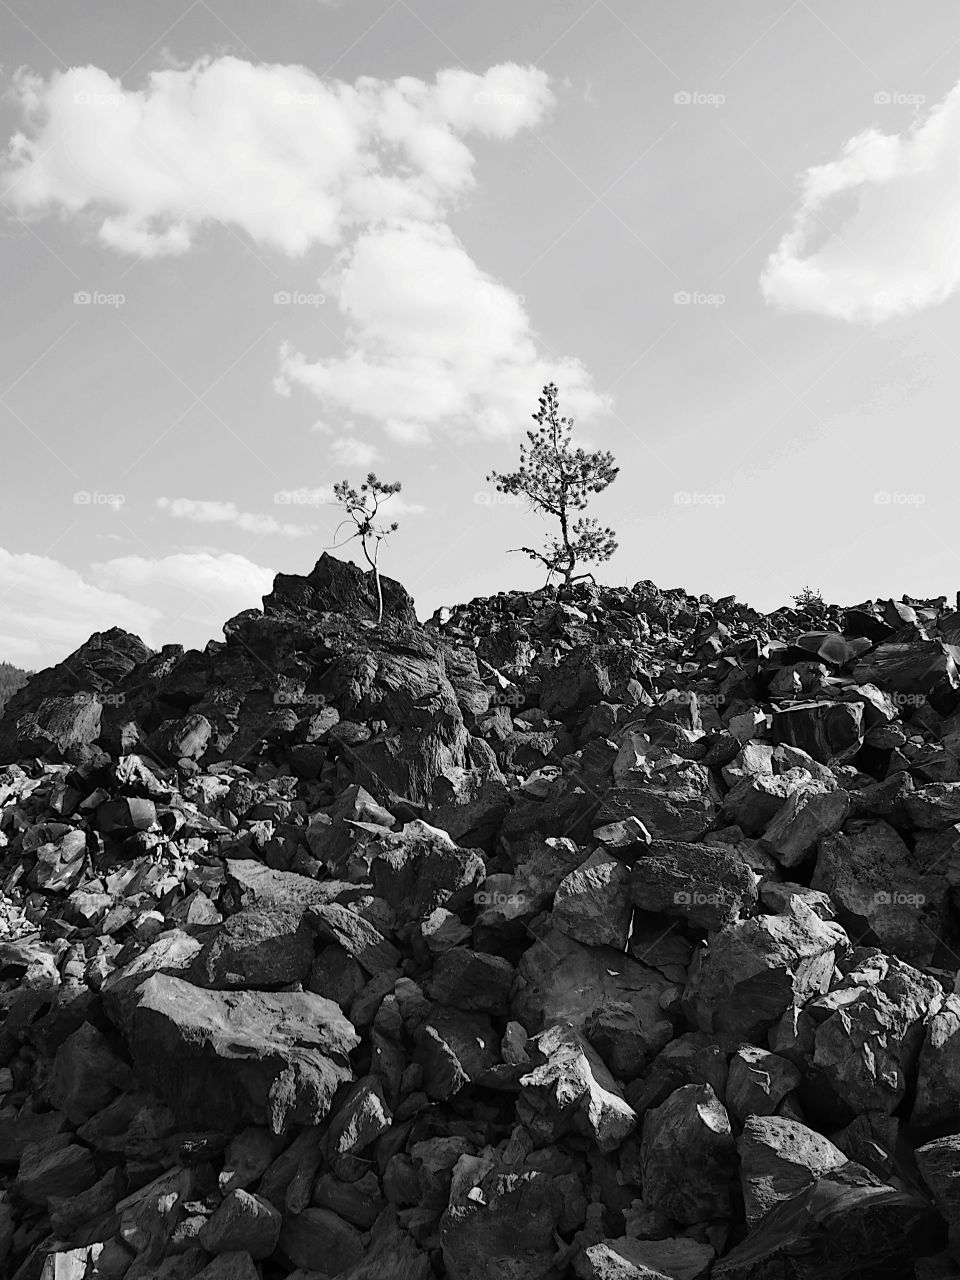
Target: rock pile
[(610, 937)]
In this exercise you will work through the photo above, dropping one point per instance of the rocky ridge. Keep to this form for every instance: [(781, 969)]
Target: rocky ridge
[(610, 937)]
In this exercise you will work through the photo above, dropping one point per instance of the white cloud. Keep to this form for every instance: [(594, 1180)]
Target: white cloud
[(207, 511), (288, 158), (434, 342), (297, 161), (323, 496), (195, 592), (897, 198), (354, 453), (50, 610), (199, 573)]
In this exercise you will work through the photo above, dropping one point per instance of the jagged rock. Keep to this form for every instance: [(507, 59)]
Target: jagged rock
[(917, 667), (56, 1168), (559, 980), (840, 1224), (937, 1101), (754, 800), (257, 950), (758, 1081), (688, 1156), (455, 1049), (359, 1119), (680, 809), (86, 1074), (506, 1230), (702, 884), (630, 1259), (260, 887), (317, 1235), (183, 739), (939, 1165), (242, 1223), (472, 981), (247, 1158), (691, 1058), (779, 1157), (880, 898), (228, 1266), (825, 730), (569, 1085), (392, 1253), (421, 869), (123, 817), (861, 1041), (592, 903), (244, 1057), (337, 924), (360, 1202), (752, 970), (934, 807), (340, 587), (588, 675), (805, 817)]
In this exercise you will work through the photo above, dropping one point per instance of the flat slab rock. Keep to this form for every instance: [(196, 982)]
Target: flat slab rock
[(224, 1059), (629, 1259), (841, 1225)]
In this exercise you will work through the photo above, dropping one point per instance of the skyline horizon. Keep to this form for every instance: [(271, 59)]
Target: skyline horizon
[(251, 254)]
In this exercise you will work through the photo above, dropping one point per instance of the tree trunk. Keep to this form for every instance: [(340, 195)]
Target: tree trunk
[(376, 577)]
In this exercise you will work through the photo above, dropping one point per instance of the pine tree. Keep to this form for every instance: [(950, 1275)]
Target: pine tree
[(558, 478), (361, 506)]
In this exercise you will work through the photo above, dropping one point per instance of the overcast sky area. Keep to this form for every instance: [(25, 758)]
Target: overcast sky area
[(250, 250)]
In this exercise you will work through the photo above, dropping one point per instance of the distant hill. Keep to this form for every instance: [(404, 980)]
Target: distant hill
[(11, 679)]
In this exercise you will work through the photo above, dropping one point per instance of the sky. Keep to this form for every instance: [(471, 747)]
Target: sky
[(250, 251)]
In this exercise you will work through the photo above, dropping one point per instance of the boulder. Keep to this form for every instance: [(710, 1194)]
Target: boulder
[(242, 1223), (841, 1224), (256, 950), (750, 971), (560, 980), (825, 730), (592, 903), (246, 1057), (688, 1157), (700, 883), (778, 1158), (569, 1086)]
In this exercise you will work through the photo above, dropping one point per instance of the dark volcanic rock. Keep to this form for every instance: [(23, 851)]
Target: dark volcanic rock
[(607, 933), (245, 1057), (700, 883)]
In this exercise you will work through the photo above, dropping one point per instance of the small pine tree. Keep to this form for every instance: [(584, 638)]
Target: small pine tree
[(807, 596), (557, 478), (361, 506)]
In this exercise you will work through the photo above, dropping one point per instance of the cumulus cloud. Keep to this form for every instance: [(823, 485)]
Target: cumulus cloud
[(208, 511), (273, 150), (897, 248), (323, 496), (195, 592), (36, 635), (200, 573), (370, 168), (433, 341), (353, 453)]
